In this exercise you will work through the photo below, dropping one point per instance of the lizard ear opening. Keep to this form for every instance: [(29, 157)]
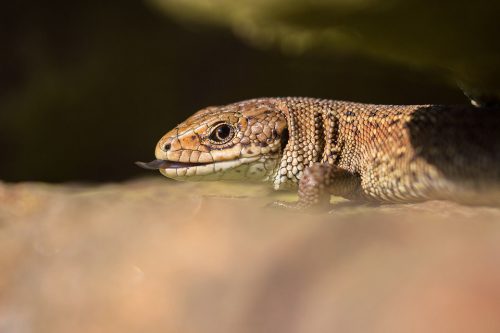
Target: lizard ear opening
[(284, 138)]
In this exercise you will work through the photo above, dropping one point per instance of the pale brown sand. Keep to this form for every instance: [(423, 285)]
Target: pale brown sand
[(158, 256)]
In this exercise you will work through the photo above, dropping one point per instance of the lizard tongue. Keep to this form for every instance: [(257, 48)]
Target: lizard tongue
[(154, 165), (163, 164)]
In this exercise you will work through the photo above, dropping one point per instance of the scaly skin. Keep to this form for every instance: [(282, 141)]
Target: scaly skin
[(383, 153)]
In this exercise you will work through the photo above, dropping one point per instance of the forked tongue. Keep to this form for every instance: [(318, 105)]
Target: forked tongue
[(154, 165)]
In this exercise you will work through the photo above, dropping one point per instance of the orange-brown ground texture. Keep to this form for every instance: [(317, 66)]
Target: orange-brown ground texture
[(153, 255)]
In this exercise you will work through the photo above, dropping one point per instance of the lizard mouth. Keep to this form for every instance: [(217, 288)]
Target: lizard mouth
[(165, 164)]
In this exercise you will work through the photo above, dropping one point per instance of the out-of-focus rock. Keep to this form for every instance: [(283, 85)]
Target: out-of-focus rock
[(158, 256), (455, 38)]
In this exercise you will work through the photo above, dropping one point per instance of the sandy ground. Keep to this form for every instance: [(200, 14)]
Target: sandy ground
[(158, 256)]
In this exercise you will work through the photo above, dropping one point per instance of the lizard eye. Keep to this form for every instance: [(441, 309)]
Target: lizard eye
[(221, 133)]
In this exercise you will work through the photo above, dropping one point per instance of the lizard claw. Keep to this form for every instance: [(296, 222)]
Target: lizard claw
[(298, 207), (282, 205)]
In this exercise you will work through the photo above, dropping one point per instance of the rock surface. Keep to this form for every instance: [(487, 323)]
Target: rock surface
[(158, 256)]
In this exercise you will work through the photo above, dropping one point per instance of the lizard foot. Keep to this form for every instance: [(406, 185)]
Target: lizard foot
[(315, 187)]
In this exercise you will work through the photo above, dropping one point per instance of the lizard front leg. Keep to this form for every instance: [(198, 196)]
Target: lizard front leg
[(318, 182)]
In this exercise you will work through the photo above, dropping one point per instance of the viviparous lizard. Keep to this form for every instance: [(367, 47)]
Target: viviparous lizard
[(381, 153)]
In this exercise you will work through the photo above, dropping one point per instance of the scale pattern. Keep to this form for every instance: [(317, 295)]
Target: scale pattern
[(388, 153)]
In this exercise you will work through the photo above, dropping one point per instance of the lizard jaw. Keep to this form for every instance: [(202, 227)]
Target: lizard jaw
[(248, 168), (228, 170), (166, 164)]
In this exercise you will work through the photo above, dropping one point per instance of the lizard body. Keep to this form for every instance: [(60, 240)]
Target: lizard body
[(383, 153)]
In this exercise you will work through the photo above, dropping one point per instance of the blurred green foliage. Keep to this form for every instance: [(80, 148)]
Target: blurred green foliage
[(87, 87), (459, 39)]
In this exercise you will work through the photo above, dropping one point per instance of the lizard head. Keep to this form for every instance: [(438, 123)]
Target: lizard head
[(238, 141)]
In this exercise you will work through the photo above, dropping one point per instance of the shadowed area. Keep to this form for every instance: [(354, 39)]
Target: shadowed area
[(471, 155), (88, 87)]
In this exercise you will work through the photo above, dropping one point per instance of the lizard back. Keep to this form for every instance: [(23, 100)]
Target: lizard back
[(398, 153)]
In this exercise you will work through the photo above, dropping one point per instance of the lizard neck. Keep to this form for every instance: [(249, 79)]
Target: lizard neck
[(314, 137)]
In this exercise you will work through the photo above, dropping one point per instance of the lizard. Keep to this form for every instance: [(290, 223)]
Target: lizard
[(362, 152)]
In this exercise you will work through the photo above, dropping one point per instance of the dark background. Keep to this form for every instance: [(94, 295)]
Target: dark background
[(87, 87)]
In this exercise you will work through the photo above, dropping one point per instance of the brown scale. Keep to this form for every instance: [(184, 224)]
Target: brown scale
[(385, 153)]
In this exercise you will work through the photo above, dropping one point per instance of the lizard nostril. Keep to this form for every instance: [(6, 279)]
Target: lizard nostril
[(166, 147)]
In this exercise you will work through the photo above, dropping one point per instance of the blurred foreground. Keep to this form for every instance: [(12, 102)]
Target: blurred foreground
[(158, 256)]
